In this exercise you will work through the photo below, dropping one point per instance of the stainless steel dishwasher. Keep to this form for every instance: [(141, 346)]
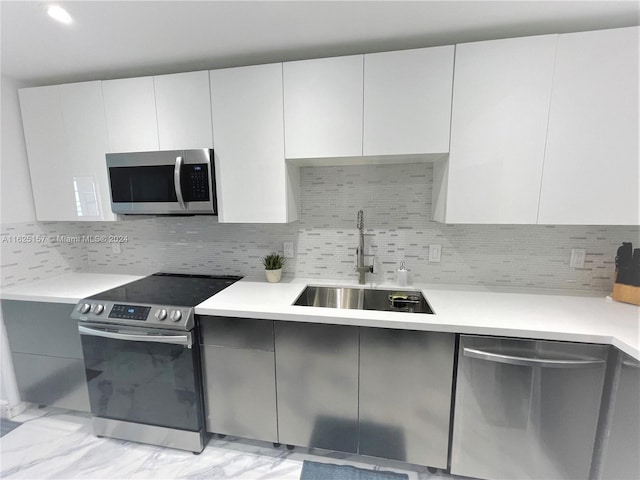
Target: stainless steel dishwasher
[(526, 409)]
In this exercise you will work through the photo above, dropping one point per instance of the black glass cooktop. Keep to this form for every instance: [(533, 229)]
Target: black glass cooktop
[(168, 289)]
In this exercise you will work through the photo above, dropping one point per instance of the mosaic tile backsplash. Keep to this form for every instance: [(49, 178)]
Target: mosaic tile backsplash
[(35, 251), (396, 200)]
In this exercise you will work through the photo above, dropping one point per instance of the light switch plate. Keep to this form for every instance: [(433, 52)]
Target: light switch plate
[(115, 247), (288, 249), (435, 251), (577, 257)]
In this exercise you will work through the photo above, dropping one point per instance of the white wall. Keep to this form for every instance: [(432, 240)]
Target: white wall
[(16, 197), (16, 206)]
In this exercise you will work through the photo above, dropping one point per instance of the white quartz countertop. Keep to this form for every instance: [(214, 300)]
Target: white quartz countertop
[(69, 288), (469, 310)]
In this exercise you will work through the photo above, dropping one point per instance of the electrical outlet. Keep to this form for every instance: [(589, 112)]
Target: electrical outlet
[(435, 252), (288, 249), (115, 247), (577, 257)]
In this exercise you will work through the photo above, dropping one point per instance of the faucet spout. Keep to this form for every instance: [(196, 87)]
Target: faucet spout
[(361, 268)]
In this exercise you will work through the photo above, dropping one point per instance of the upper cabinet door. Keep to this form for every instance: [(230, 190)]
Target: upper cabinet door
[(130, 109), (323, 107), (501, 95), (44, 135), (184, 110), (407, 101), (591, 168), (247, 110), (66, 138), (87, 144)]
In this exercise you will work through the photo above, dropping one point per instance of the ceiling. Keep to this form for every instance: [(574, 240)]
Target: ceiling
[(112, 39)]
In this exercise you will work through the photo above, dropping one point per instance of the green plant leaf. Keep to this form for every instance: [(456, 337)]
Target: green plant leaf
[(273, 261)]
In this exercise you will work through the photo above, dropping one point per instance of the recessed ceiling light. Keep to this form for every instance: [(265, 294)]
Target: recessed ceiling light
[(58, 13)]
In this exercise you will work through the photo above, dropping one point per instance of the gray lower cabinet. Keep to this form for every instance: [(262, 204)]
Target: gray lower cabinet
[(622, 444), (46, 353), (52, 381), (406, 379), (239, 377), (317, 384)]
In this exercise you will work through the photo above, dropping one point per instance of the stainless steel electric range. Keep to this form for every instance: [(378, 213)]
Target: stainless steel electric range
[(142, 359)]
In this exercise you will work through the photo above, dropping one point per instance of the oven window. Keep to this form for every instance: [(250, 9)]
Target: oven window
[(150, 383), (152, 183)]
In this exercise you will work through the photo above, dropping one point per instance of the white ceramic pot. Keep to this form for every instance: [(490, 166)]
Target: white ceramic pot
[(274, 276)]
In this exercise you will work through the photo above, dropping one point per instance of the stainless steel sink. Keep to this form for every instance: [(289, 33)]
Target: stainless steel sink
[(364, 299), (332, 297)]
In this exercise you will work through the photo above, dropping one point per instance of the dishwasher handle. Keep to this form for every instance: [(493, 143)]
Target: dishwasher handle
[(531, 361)]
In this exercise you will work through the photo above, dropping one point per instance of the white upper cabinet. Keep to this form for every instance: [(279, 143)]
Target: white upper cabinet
[(407, 101), (86, 140), (501, 95), (591, 168), (323, 107), (166, 112), (44, 135), (184, 110), (66, 138), (130, 107), (255, 185)]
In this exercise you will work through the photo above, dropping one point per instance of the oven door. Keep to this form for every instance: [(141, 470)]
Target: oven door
[(144, 376), (169, 182)]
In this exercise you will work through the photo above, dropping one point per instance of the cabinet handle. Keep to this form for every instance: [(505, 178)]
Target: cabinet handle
[(176, 180), (530, 362)]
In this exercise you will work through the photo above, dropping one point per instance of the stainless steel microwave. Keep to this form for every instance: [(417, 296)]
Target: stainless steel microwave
[(177, 182)]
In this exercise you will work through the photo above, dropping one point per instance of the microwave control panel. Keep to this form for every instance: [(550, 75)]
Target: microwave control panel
[(197, 188)]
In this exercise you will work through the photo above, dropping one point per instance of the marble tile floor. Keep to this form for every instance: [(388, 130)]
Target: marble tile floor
[(55, 443)]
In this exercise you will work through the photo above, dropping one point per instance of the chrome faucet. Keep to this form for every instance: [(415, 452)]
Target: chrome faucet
[(361, 268)]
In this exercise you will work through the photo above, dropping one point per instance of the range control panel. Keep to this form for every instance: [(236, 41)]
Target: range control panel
[(131, 312), (160, 316)]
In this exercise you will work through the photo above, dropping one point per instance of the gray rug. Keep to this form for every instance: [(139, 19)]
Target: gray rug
[(7, 425), (329, 471)]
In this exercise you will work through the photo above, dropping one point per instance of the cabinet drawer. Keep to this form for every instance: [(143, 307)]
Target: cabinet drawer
[(59, 382), (237, 333), (42, 328)]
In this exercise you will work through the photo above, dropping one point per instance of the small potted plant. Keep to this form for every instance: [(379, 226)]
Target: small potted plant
[(273, 264)]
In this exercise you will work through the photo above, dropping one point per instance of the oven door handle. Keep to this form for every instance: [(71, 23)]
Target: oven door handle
[(184, 340), (178, 182)]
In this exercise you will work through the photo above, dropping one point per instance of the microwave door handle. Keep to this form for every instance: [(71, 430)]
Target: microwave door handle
[(176, 180)]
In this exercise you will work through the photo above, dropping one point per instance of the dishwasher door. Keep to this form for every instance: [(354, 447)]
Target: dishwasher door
[(526, 409)]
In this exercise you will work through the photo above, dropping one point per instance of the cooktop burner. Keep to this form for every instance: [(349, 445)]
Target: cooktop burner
[(168, 289)]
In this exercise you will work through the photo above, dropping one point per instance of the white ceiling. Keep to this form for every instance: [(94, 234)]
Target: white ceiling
[(111, 39)]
